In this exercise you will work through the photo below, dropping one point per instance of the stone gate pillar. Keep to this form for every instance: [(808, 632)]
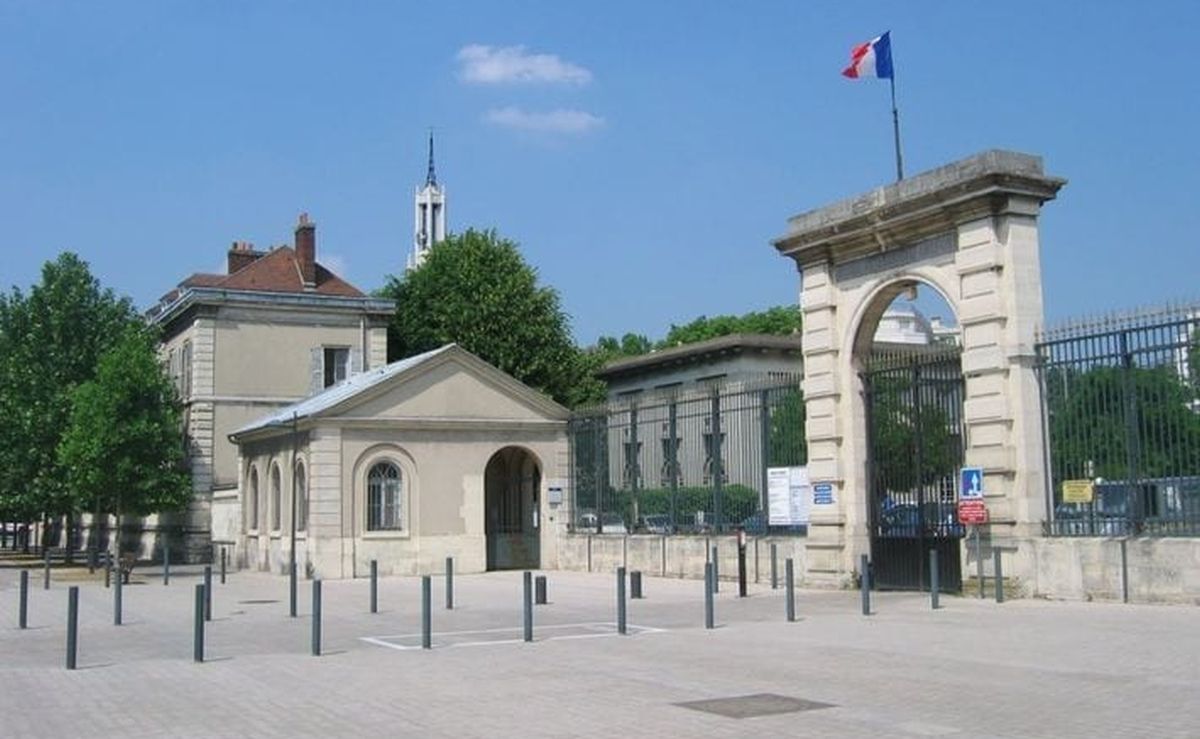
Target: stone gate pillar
[(969, 230)]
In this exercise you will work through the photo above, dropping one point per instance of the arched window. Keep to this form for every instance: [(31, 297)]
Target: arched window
[(276, 498), (301, 498), (253, 500), (383, 497)]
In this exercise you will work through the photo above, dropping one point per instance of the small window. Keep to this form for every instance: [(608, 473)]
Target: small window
[(276, 499), (383, 497), (186, 360), (253, 500), (337, 365), (301, 499)]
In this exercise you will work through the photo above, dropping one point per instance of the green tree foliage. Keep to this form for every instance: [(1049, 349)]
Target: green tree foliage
[(474, 289), (786, 446), (123, 449), (783, 319), (907, 433), (1102, 419), (51, 340)]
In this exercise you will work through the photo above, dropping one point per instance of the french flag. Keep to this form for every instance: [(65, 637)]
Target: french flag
[(872, 59)]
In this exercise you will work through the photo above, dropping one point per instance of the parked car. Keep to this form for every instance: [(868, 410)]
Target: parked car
[(656, 523)]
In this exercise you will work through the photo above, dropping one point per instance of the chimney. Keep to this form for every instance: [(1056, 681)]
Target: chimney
[(241, 255), (306, 250)]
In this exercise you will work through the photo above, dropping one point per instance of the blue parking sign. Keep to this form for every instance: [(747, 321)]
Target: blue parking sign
[(970, 484)]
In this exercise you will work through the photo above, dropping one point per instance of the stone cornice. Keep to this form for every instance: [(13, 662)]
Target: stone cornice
[(929, 204)]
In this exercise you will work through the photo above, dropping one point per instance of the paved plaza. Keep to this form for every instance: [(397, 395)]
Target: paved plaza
[(972, 668)]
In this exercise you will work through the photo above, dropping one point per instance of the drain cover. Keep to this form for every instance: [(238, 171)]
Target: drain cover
[(255, 602), (752, 706)]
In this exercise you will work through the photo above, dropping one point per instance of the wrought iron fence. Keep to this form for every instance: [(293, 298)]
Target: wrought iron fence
[(1121, 407), (685, 462)]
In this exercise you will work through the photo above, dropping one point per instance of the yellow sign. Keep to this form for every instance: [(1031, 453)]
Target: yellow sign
[(1078, 491)]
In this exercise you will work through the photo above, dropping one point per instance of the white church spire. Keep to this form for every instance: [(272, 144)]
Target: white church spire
[(429, 213)]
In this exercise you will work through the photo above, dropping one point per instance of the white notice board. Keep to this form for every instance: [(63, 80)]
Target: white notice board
[(788, 496)]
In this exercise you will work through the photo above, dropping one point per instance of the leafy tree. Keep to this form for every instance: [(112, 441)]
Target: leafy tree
[(783, 319), (123, 450), (905, 432), (476, 290), (1091, 431), (786, 445), (52, 339)]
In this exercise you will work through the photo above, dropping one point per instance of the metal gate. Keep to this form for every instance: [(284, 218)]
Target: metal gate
[(915, 445)]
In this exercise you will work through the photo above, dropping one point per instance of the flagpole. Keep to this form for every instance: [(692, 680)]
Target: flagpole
[(896, 128)]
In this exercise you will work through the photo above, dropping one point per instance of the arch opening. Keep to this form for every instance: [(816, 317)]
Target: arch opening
[(512, 523), (907, 353)]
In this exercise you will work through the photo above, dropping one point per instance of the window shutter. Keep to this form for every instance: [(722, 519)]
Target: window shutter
[(356, 361), (316, 370)]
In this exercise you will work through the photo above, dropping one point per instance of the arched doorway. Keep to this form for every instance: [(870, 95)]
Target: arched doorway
[(908, 355), (512, 522)]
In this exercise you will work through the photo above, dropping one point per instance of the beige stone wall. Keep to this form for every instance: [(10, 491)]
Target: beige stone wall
[(681, 556), (444, 503)]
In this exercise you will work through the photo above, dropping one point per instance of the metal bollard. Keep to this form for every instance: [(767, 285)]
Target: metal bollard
[(198, 625), (774, 569), (72, 625), (865, 581), (999, 576), (166, 563), (374, 586), (716, 578), (539, 590), (635, 585), (292, 589), (23, 607), (933, 579), (107, 569), (528, 606), (790, 585), (117, 603), (741, 554), (709, 577), (426, 612), (46, 554), (1124, 573), (223, 558), (449, 583), (979, 563), (316, 618), (208, 592), (620, 600)]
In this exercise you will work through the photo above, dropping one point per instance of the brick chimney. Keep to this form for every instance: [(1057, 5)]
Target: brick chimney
[(306, 250), (241, 255)]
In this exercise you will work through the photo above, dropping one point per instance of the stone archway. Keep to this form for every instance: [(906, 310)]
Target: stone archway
[(512, 523), (970, 230)]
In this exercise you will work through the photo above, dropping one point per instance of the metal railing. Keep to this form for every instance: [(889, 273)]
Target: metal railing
[(1121, 409), (691, 461)]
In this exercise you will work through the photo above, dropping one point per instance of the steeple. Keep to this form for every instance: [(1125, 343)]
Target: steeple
[(429, 213), (431, 178)]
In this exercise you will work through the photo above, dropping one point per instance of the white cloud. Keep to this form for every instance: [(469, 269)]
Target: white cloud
[(492, 65), (553, 121)]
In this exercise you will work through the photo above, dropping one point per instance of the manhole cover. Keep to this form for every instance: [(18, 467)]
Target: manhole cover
[(255, 602), (751, 706)]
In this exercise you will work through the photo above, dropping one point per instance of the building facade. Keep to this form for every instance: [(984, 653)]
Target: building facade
[(436, 455), (275, 328)]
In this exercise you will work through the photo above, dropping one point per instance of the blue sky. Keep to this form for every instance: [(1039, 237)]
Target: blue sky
[(642, 154)]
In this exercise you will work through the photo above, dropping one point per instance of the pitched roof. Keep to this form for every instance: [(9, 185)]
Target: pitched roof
[(358, 384), (276, 271), (686, 353), (335, 394)]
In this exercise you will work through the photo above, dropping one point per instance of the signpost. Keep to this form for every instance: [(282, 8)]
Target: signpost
[(1078, 491), (972, 512), (970, 484), (788, 494)]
